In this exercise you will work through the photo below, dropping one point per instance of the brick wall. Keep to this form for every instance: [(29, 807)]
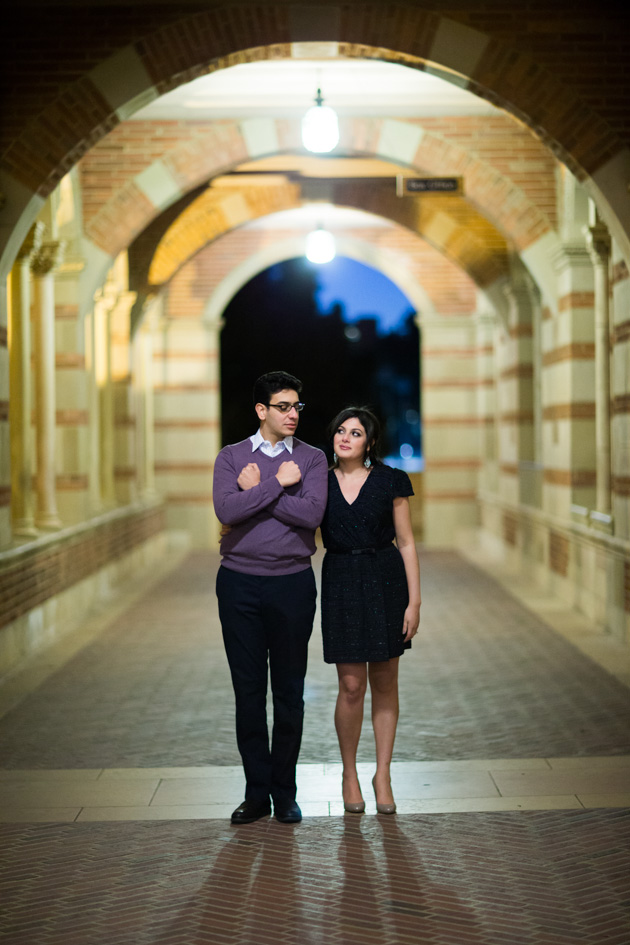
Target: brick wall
[(31, 577)]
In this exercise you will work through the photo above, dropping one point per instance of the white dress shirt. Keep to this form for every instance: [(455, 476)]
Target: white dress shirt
[(259, 442)]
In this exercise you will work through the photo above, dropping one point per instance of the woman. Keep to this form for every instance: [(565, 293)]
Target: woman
[(370, 594)]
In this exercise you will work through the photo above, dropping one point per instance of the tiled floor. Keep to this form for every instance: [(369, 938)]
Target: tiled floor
[(512, 778), (116, 794)]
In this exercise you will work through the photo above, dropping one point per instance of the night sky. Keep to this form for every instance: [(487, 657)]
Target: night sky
[(361, 289)]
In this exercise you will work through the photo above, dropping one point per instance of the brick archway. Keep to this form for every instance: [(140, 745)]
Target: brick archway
[(352, 247), (511, 202), (45, 145), (201, 289), (112, 219)]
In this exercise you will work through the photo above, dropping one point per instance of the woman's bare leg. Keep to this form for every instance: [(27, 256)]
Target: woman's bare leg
[(348, 722), (383, 678)]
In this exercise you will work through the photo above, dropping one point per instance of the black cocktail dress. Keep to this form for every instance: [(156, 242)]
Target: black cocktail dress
[(364, 586)]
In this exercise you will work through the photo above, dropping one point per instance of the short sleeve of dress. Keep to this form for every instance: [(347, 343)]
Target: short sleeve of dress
[(401, 484)]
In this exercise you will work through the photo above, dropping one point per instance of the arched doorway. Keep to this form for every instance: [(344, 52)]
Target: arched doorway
[(346, 349)]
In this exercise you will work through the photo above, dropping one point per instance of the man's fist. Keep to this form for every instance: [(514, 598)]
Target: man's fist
[(288, 473), (249, 476)]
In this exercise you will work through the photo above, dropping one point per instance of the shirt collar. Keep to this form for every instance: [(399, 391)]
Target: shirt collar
[(258, 439)]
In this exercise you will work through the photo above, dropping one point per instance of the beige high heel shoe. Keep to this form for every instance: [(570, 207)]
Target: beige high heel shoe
[(383, 808), (353, 807)]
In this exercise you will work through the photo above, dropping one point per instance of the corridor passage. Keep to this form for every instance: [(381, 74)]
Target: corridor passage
[(118, 772)]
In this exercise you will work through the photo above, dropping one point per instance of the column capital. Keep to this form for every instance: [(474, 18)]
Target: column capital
[(598, 243), (33, 241), (570, 255), (124, 302), (47, 257)]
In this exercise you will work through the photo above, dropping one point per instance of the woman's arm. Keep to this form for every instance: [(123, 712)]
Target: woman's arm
[(407, 547)]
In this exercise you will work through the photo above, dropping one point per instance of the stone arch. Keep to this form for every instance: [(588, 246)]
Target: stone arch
[(134, 203), (39, 155), (213, 213), (289, 248), (408, 143)]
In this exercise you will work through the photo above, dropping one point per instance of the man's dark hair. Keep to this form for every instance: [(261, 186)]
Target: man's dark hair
[(271, 383), (370, 424)]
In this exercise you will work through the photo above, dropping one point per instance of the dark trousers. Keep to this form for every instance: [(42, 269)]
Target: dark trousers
[(267, 619)]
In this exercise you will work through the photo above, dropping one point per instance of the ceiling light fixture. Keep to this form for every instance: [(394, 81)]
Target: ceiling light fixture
[(320, 246), (320, 127)]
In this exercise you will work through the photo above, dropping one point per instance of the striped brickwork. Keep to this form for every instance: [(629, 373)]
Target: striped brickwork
[(401, 254), (568, 409), (5, 449), (620, 419), (515, 397), (507, 171), (187, 424), (451, 426)]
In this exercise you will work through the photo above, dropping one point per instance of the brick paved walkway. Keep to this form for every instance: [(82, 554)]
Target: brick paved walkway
[(487, 679), (534, 878)]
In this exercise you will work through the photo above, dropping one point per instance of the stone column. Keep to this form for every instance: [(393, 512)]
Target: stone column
[(568, 392), (43, 265), (21, 398), (143, 385), (521, 478), (599, 246), (487, 401), (72, 391), (104, 302), (125, 458), (94, 411)]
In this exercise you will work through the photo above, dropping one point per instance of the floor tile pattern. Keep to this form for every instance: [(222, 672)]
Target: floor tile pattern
[(420, 787), (486, 678), (530, 878)]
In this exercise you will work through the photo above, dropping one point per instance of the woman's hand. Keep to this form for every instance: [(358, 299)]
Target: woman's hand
[(407, 547), (411, 622)]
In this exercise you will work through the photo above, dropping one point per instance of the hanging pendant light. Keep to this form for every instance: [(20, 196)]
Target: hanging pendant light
[(320, 128), (320, 246)]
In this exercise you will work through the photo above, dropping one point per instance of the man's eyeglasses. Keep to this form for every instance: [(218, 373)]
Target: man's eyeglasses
[(284, 407)]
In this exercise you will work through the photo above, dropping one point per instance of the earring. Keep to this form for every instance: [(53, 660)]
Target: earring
[(334, 457), (367, 462)]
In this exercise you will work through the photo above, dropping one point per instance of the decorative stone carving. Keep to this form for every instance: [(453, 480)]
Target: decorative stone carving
[(598, 243), (33, 241), (47, 257)]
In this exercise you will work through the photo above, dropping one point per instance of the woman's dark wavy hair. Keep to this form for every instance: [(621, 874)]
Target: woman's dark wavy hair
[(370, 424)]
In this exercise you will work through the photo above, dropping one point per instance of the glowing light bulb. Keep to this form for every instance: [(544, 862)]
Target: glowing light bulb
[(320, 246), (320, 127)]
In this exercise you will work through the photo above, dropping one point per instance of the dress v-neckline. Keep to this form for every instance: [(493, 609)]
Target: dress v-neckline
[(350, 504)]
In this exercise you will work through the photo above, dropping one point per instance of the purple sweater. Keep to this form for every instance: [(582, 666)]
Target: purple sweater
[(272, 526)]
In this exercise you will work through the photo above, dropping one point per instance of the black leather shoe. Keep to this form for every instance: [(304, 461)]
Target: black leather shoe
[(287, 812), (249, 811)]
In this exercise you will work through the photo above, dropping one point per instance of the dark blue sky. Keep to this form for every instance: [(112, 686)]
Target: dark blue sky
[(362, 291)]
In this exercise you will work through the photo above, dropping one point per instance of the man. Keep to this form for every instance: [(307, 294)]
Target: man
[(271, 491)]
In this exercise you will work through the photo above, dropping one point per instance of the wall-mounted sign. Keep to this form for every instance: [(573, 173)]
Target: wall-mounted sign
[(428, 185)]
